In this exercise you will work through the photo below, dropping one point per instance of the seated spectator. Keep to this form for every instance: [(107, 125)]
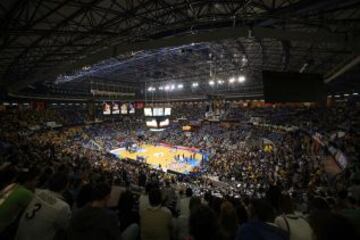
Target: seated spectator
[(126, 213), (14, 198), (117, 189), (272, 196), (142, 179), (207, 198), (354, 189), (144, 198), (28, 178), (261, 226), (85, 196), (47, 214), (94, 221), (184, 202), (318, 204), (293, 223), (169, 197), (241, 212), (329, 226), (352, 213), (182, 222), (155, 221), (203, 224), (45, 177), (228, 221)]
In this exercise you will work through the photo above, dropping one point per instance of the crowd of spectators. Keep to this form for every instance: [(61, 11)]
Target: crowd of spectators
[(54, 185)]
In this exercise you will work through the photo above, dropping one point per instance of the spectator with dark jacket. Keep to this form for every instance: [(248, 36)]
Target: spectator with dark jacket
[(203, 224), (94, 221), (261, 226)]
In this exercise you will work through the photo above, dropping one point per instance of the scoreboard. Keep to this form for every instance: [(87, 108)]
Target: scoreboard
[(157, 117)]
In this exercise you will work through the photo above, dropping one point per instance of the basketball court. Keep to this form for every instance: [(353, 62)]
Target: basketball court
[(178, 159)]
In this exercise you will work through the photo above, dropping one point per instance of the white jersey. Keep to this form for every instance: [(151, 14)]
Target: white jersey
[(46, 214)]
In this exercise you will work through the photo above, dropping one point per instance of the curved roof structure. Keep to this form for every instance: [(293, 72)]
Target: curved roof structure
[(74, 44)]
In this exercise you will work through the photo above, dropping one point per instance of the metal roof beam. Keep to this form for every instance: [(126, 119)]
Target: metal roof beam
[(339, 70), (59, 25), (347, 42)]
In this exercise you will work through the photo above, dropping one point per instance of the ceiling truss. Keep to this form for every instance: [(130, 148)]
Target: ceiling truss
[(43, 39)]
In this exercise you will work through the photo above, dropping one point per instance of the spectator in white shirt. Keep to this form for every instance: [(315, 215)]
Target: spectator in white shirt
[(184, 203), (297, 227), (144, 198), (182, 222), (47, 214), (155, 221)]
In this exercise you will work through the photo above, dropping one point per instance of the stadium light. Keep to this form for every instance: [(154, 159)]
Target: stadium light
[(180, 86), (355, 93), (161, 88), (220, 82), (211, 83), (172, 87), (151, 89), (231, 80), (241, 79), (195, 84), (167, 88)]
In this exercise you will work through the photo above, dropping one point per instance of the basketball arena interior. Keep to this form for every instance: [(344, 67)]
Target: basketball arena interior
[(179, 120)]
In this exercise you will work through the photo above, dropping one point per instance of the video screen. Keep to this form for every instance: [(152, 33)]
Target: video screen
[(106, 109), (131, 108), (115, 108), (167, 111), (293, 87), (124, 109), (148, 112), (164, 123), (152, 123), (158, 112)]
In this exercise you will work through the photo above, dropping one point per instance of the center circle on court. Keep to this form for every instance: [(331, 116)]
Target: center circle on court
[(159, 154)]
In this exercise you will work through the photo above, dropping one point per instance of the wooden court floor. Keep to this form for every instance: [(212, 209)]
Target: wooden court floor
[(164, 156)]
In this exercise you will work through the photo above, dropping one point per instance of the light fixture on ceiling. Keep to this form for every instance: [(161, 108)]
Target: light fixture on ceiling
[(195, 84), (211, 83), (151, 89), (241, 79), (231, 80), (180, 86)]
